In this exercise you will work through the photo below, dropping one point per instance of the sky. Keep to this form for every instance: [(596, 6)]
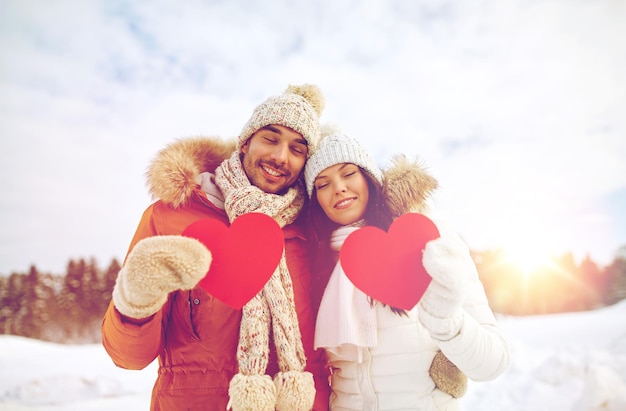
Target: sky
[(565, 362), (515, 106)]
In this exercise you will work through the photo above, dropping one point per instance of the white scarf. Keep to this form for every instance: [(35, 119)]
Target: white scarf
[(346, 321)]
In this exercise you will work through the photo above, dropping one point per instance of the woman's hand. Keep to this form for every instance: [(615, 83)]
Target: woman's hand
[(448, 261)]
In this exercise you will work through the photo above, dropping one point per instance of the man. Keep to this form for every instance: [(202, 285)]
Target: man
[(212, 356)]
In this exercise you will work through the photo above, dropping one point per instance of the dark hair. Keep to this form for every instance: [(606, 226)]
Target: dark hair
[(377, 214)]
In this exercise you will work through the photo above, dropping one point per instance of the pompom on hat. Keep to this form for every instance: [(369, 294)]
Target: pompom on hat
[(335, 147), (298, 108)]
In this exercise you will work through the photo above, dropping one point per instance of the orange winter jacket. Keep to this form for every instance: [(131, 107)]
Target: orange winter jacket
[(195, 336)]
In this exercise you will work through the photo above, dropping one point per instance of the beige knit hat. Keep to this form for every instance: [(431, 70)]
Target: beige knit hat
[(298, 108), (335, 147)]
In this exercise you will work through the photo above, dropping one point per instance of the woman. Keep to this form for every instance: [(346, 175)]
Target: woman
[(382, 357)]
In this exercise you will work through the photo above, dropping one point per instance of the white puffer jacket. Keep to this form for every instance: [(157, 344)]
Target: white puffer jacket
[(394, 375)]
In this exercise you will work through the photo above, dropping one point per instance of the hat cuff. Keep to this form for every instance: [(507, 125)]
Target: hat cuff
[(289, 110), (337, 152)]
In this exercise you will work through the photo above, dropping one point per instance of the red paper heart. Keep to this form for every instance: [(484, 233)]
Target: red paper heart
[(388, 266), (245, 255)]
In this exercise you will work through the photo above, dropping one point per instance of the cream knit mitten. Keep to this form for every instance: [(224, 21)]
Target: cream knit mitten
[(155, 267), (448, 261)]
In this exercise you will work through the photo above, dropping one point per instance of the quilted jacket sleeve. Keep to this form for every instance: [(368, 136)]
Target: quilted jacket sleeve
[(134, 344), (480, 349), (131, 344)]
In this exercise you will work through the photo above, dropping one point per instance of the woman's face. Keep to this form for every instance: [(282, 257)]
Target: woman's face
[(342, 192)]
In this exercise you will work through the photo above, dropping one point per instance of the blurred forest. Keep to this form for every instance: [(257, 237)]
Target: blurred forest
[(560, 286), (59, 308), (69, 308)]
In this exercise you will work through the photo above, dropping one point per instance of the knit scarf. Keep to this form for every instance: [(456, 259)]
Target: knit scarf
[(251, 389), (346, 322)]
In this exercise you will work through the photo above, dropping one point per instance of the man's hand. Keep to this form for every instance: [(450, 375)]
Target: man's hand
[(155, 267)]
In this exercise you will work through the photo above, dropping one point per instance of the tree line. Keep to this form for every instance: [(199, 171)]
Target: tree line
[(561, 286), (59, 308), (69, 308)]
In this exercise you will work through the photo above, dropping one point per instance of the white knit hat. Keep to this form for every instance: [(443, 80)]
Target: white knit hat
[(335, 147), (298, 108)]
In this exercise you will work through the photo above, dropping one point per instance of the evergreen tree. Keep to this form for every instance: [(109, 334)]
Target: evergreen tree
[(5, 308), (110, 275), (89, 292), (616, 278), (14, 304)]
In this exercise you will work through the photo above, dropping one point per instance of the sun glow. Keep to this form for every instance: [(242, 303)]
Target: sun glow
[(529, 260), (532, 250)]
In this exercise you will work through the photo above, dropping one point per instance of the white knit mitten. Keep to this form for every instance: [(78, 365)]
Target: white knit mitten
[(448, 261), (155, 267)]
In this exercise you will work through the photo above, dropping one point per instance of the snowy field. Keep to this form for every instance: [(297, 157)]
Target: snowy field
[(565, 362)]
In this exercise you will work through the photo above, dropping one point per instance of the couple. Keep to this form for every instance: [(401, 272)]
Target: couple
[(276, 352)]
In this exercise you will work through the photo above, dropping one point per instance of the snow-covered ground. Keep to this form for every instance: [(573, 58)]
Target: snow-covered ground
[(565, 362)]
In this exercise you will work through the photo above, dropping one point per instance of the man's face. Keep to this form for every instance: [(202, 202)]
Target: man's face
[(274, 157)]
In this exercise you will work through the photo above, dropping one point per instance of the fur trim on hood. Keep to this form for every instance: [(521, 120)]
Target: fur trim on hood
[(407, 186), (175, 171), (174, 174)]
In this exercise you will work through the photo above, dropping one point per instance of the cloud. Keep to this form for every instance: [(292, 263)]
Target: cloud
[(517, 107)]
